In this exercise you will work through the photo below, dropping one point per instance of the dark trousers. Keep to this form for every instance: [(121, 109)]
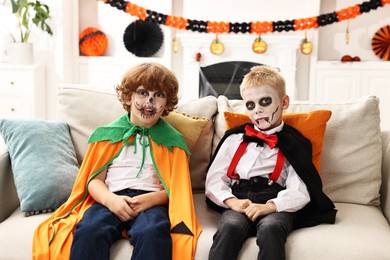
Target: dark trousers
[(234, 227), (100, 228)]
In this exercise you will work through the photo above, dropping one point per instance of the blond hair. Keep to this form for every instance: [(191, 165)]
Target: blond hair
[(153, 77), (264, 76)]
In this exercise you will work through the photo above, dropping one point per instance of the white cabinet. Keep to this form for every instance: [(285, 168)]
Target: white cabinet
[(22, 91), (334, 81)]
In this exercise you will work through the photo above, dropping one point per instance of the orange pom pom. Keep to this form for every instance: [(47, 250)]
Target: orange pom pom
[(92, 42)]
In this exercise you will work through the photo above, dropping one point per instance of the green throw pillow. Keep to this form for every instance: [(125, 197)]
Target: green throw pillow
[(43, 162)]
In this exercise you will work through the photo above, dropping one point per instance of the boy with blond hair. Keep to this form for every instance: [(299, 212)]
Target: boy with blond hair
[(262, 178)]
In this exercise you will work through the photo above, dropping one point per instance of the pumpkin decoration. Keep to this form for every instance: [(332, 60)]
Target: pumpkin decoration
[(259, 46), (306, 46), (216, 46), (349, 58), (175, 45), (380, 43), (92, 42)]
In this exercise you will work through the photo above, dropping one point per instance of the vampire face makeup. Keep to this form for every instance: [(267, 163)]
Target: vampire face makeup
[(264, 106), (147, 107)]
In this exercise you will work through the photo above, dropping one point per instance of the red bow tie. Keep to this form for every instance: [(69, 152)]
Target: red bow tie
[(271, 140)]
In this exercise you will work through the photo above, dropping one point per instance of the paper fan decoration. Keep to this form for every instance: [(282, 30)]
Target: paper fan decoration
[(381, 43), (143, 38)]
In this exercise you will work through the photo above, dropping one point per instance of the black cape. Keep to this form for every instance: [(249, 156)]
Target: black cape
[(298, 151)]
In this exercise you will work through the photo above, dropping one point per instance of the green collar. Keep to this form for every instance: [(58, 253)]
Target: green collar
[(122, 128)]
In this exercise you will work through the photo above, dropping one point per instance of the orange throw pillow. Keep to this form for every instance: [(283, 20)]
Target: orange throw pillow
[(311, 125)]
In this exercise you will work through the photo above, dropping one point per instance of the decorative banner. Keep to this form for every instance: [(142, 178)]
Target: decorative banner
[(255, 27)]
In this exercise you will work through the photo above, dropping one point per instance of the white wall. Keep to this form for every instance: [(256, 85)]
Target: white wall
[(247, 10)]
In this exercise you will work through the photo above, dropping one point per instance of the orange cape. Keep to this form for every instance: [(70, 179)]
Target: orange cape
[(53, 237)]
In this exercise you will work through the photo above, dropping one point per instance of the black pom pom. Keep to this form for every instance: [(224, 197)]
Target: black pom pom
[(143, 39)]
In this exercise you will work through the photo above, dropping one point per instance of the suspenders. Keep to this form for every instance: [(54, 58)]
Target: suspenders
[(274, 176)]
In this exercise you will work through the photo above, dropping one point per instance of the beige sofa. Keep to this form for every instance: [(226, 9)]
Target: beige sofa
[(355, 172)]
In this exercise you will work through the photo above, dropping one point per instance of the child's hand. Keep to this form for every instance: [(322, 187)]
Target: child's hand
[(140, 203), (255, 210), (238, 205), (145, 201), (120, 206)]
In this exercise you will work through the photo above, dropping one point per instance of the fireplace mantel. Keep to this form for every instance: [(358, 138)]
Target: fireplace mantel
[(281, 53)]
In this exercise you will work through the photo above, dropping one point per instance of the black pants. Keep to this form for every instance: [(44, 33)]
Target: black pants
[(234, 227)]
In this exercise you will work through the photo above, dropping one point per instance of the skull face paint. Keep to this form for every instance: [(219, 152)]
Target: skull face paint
[(147, 106), (264, 106)]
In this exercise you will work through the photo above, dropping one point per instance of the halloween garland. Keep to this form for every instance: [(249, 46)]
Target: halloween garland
[(256, 27)]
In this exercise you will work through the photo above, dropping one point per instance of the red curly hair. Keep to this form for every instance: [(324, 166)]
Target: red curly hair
[(153, 77)]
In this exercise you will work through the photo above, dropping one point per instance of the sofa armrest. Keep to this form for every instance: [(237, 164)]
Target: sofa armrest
[(8, 197), (385, 187)]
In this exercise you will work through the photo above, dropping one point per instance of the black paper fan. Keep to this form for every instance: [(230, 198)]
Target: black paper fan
[(143, 38), (380, 43)]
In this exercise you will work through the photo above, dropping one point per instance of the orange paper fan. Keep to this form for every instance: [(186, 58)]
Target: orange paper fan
[(381, 43)]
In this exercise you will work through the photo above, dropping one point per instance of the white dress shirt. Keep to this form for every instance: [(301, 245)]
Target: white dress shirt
[(256, 161), (123, 172)]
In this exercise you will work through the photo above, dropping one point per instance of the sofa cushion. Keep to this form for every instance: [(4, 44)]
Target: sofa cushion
[(312, 125), (351, 155), (190, 126), (103, 107), (41, 154), (204, 107), (360, 232), (17, 235)]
